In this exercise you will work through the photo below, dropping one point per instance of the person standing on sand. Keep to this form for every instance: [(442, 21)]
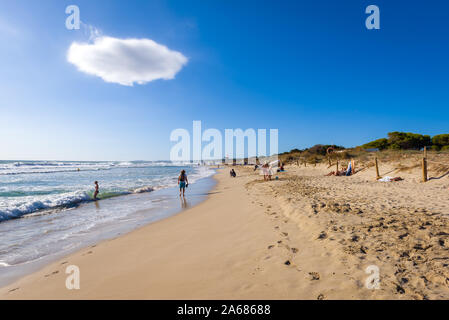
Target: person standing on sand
[(265, 171), (97, 190), (183, 182)]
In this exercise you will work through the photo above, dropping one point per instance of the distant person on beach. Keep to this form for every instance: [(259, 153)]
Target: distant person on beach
[(338, 173), (183, 182), (97, 190), (281, 169), (270, 172), (264, 171), (232, 173)]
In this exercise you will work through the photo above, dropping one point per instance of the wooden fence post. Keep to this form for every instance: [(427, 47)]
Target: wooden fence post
[(424, 170), (336, 172), (377, 169), (425, 152)]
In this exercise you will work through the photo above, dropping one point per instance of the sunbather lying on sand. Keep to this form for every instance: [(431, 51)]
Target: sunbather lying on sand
[(338, 173), (346, 171)]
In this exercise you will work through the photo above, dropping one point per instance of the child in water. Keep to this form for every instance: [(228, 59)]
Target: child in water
[(97, 191)]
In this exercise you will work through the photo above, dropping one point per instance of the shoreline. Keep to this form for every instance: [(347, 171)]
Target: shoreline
[(252, 239), (168, 206), (176, 257)]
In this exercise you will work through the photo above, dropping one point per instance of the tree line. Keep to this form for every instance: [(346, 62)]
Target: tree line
[(407, 140)]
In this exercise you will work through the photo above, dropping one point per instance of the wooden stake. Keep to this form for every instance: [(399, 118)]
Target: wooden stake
[(425, 152), (329, 159), (424, 170), (336, 172), (377, 169)]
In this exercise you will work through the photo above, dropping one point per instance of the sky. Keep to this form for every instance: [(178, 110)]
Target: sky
[(136, 70)]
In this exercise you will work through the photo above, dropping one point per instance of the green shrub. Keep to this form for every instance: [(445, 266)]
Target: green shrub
[(320, 149), (395, 146), (408, 140), (435, 148), (441, 140), (379, 143)]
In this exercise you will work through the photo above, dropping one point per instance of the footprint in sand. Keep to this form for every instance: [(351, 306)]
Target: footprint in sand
[(314, 275), (12, 290), (50, 274), (90, 252), (400, 289), (323, 235)]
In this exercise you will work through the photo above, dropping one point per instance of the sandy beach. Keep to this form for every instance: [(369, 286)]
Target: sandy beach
[(301, 236)]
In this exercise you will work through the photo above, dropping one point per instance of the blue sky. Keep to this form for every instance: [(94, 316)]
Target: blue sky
[(308, 68)]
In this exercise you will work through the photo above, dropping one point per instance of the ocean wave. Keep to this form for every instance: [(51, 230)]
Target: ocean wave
[(19, 193), (27, 208), (21, 208), (143, 189), (12, 173), (19, 203), (48, 167)]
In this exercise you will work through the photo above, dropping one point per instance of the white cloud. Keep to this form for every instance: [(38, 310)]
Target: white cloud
[(126, 61)]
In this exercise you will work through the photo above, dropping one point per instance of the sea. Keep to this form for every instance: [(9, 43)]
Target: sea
[(47, 208)]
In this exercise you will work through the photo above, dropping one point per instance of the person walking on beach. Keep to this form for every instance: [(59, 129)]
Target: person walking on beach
[(264, 171), (183, 182), (97, 190)]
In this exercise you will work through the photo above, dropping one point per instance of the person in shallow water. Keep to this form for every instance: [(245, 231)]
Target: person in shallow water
[(183, 182), (97, 190)]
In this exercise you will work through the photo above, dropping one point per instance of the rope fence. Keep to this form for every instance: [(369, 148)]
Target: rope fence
[(424, 162), (424, 166)]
